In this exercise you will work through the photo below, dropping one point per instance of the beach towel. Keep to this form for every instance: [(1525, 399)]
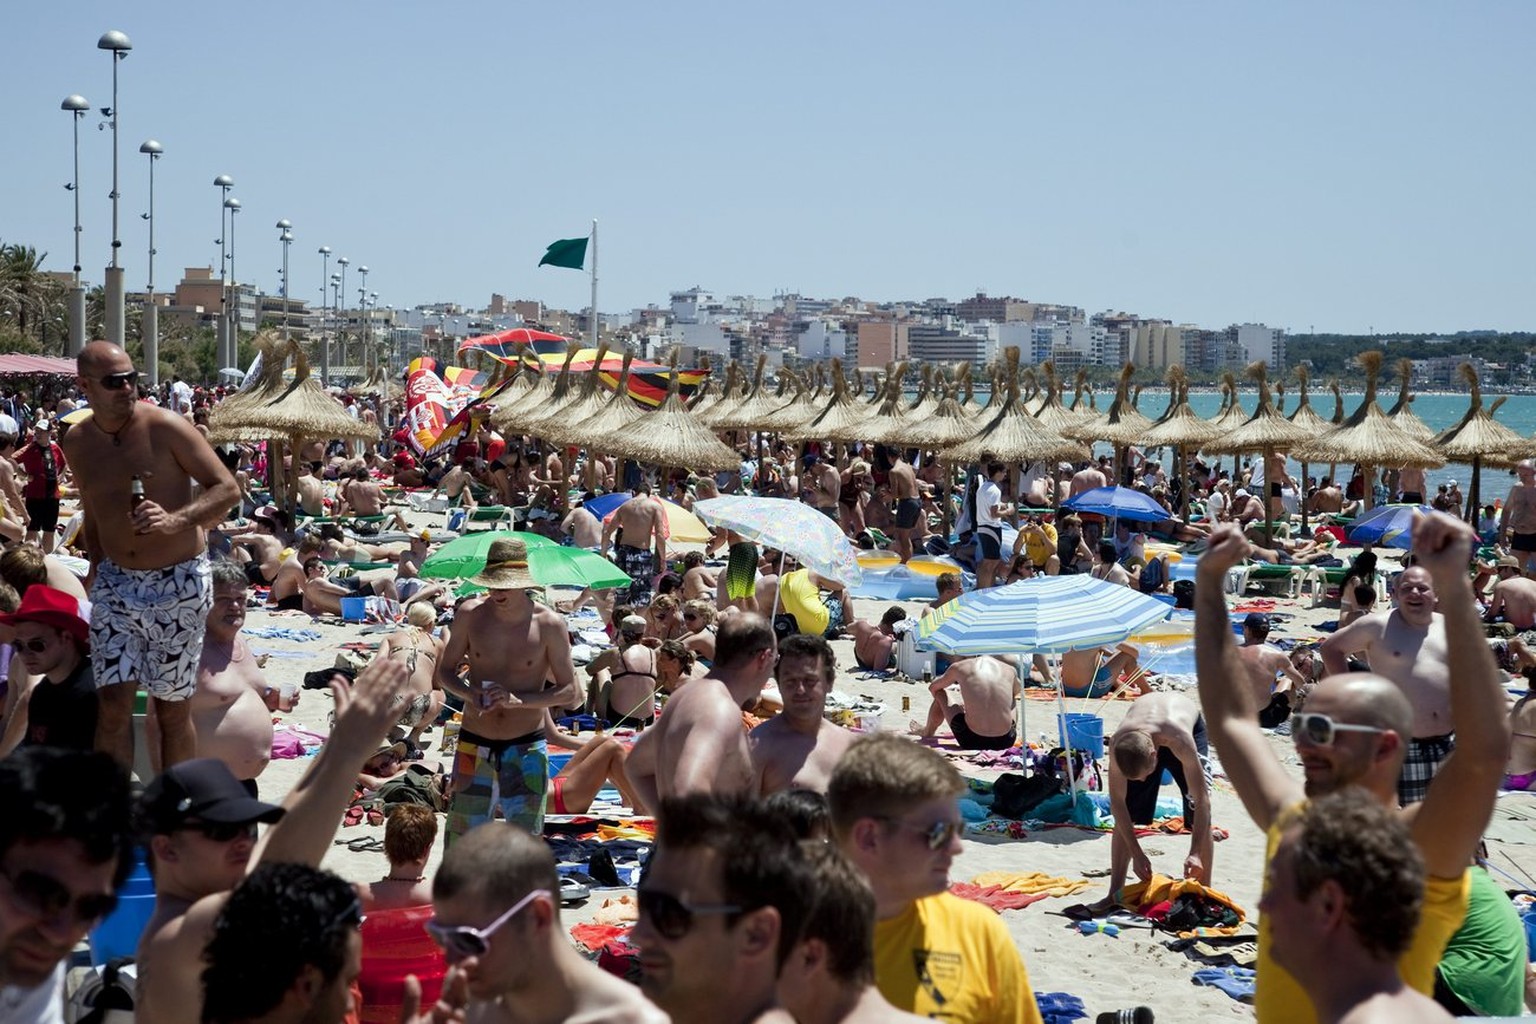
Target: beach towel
[(1237, 982), (1060, 1007), (1033, 882), (282, 633), (995, 896)]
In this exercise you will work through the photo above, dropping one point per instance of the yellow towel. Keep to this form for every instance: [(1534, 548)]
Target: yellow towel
[(1034, 882)]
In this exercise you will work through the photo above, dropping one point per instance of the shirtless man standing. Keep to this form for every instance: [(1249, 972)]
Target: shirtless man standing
[(1276, 480), (1410, 482), (1086, 479), (149, 564), (1408, 646), (311, 490), (639, 520), (232, 706), (909, 505), (1160, 732), (983, 720), (1517, 521), (799, 748), (1264, 664), (514, 648), (825, 485), (699, 745)]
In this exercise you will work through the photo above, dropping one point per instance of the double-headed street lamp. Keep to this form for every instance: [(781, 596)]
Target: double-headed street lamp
[(223, 183), (341, 323), (232, 338), (362, 304), (77, 106), (325, 341), (285, 236), (117, 44), (152, 149)]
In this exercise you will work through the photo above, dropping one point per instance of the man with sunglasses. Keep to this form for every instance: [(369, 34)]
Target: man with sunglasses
[(51, 632), (286, 948), (496, 915), (698, 745), (1355, 732), (1407, 645), (150, 589), (896, 816), (723, 899), (66, 847), (201, 824)]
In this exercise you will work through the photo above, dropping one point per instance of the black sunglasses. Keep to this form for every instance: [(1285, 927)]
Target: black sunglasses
[(36, 645), (223, 831), (118, 381), (671, 917), (43, 896), (937, 835)]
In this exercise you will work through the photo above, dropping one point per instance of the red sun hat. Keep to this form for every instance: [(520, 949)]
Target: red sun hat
[(52, 607)]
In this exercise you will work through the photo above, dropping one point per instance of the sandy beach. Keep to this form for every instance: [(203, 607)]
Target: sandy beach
[(1134, 968)]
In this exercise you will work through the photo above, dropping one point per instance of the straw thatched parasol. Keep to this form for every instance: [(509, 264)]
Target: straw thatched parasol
[(757, 404), (984, 412), (1401, 414), (1012, 435), (736, 390), (1479, 438), (528, 417), (1368, 438), (1267, 432), (569, 429), (1178, 426), (671, 437), (948, 424), (299, 409), (884, 424), (617, 412), (1122, 425), (1306, 417), (510, 416), (1056, 417), (843, 409), (268, 379)]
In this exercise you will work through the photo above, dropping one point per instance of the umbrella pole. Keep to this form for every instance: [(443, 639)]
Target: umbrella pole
[(775, 613), (1302, 495), (1474, 493), (1066, 735), (1023, 674), (1269, 513)]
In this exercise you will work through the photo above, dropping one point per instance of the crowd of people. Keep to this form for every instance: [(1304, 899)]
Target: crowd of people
[(800, 871)]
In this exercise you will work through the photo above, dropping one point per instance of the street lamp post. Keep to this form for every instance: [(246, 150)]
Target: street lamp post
[(325, 341), (223, 183), (341, 323), (232, 352), (152, 149), (362, 302), (286, 236), (117, 44), (77, 106)]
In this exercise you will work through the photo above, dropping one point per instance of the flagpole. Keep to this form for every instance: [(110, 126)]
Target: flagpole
[(594, 283)]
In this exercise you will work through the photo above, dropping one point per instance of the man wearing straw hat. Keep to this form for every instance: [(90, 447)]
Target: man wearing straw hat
[(519, 657)]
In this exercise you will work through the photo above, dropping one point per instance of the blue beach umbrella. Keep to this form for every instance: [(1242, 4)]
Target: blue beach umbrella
[(1391, 525), (1118, 503), (1040, 615)]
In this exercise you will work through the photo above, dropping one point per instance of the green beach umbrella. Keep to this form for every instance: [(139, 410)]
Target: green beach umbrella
[(465, 556), (556, 566)]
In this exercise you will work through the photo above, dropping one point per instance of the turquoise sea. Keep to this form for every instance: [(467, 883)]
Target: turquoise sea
[(1438, 411)]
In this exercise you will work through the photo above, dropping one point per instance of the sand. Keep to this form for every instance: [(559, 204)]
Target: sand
[(1105, 972)]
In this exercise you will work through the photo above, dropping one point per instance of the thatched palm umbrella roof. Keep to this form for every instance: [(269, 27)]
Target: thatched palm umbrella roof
[(884, 424), (617, 412), (1056, 417), (1266, 431), (592, 400), (671, 437), (1012, 435), (1083, 401), (565, 391), (1232, 414), (1478, 438), (706, 389), (757, 404), (297, 410), (268, 380), (1122, 425), (790, 413), (929, 391), (843, 409), (1306, 417), (985, 412), (946, 425), (1179, 426), (738, 387), (1367, 437), (512, 415), (1401, 414)]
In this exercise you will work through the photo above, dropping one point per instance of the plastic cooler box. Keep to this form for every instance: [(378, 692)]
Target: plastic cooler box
[(118, 933)]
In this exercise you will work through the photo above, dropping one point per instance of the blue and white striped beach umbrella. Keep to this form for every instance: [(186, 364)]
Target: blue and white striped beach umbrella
[(1040, 615)]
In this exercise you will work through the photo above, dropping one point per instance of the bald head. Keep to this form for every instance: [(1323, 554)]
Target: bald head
[(1363, 698), (101, 357)]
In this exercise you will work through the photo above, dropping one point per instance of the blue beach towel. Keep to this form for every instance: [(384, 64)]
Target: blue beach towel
[(1237, 982)]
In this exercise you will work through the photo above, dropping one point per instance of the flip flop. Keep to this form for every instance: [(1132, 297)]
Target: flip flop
[(366, 844)]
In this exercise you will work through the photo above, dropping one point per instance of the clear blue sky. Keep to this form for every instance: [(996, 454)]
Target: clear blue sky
[(1344, 165)]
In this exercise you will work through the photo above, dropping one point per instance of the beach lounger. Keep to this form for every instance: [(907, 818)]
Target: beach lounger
[(496, 516)]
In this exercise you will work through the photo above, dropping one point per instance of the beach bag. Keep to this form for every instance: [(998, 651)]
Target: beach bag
[(418, 784), (1014, 795)]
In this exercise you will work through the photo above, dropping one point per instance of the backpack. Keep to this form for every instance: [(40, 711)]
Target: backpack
[(1014, 796), (418, 784)]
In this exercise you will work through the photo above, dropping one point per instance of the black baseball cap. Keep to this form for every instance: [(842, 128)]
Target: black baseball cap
[(203, 789), (1256, 621)]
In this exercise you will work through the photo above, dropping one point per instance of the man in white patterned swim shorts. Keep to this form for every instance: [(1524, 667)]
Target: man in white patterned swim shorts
[(150, 587)]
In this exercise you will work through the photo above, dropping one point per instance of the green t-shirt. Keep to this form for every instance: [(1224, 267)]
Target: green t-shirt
[(1484, 963)]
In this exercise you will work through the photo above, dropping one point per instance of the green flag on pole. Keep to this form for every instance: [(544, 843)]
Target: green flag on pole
[(567, 252)]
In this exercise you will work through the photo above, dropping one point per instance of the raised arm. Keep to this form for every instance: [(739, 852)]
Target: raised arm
[(1225, 699), (364, 715), (1449, 823)]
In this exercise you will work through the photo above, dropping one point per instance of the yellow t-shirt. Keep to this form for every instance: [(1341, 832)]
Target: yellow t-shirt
[(800, 598), (953, 960), (1035, 547), (1280, 998)]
